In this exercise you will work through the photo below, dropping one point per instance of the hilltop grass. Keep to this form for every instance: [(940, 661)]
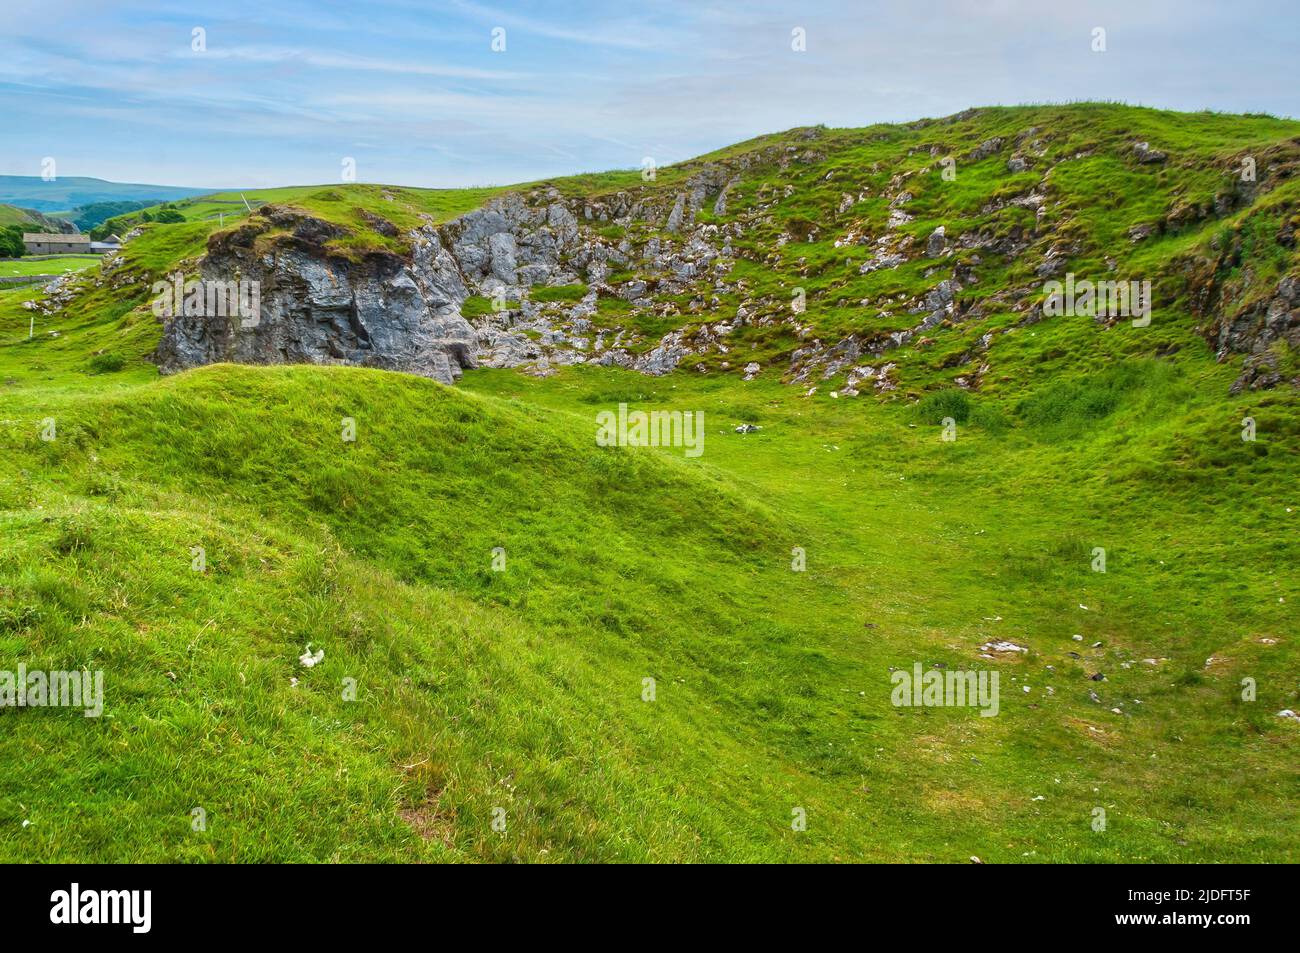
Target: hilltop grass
[(359, 209), (344, 204)]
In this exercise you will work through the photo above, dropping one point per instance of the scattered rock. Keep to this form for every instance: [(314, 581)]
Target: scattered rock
[(1146, 154), (1003, 646), (936, 243), (1258, 372), (986, 149)]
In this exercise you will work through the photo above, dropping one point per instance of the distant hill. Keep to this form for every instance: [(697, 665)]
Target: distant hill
[(31, 220), (65, 193)]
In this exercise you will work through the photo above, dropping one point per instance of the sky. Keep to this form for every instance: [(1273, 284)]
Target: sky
[(258, 93)]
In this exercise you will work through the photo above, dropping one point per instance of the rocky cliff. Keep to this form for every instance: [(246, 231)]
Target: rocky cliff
[(324, 304)]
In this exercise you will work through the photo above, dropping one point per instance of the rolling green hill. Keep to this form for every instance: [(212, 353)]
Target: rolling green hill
[(28, 219), (9, 215), (504, 713)]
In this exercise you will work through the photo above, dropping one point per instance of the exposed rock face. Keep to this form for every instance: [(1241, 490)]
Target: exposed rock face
[(509, 244), (387, 311), (1242, 314), (1257, 326), (986, 148), (321, 308), (936, 243)]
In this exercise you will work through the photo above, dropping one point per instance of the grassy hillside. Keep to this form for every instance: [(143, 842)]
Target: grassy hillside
[(9, 215), (523, 690), (815, 203), (27, 219)]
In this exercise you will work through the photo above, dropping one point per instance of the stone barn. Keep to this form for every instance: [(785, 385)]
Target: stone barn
[(45, 243)]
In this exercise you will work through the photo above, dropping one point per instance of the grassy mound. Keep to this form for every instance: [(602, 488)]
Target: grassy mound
[(620, 566)]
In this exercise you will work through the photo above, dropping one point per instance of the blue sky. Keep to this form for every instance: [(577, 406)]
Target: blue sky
[(414, 93)]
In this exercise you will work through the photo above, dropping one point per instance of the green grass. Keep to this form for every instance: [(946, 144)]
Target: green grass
[(558, 293), (48, 266), (522, 690)]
